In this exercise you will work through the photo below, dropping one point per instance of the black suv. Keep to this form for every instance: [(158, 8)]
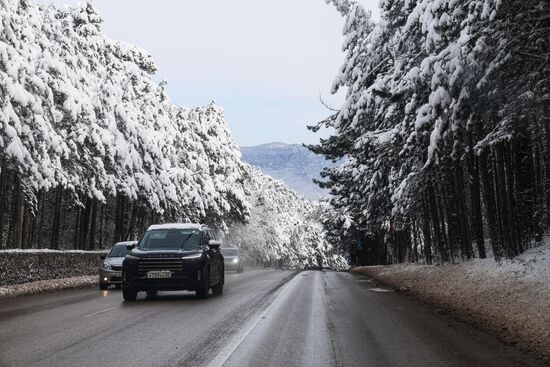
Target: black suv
[(171, 257)]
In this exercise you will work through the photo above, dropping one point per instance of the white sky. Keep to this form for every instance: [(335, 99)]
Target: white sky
[(265, 62)]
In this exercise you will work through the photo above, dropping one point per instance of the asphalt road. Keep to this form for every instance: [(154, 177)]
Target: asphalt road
[(264, 318)]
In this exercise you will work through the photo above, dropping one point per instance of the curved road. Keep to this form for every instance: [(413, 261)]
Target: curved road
[(264, 318)]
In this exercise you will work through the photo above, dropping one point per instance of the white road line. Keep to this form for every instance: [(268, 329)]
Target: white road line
[(230, 347), (100, 312), (379, 290)]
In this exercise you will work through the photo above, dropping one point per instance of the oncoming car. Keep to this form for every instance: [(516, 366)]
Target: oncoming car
[(110, 270), (171, 257), (233, 259)]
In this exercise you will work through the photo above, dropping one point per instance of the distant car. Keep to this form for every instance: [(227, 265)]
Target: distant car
[(110, 270), (233, 259), (171, 257)]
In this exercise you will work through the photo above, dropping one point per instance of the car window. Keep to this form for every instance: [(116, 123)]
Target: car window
[(230, 252), (118, 251), (170, 239)]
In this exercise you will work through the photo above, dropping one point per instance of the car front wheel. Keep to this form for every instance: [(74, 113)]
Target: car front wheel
[(129, 294), (217, 290), (204, 288), (103, 286)]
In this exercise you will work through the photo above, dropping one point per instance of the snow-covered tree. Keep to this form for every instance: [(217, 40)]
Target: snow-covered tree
[(283, 228), (92, 149), (444, 129), (85, 128)]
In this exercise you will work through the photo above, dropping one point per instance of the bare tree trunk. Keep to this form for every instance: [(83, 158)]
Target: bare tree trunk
[(119, 218), (84, 223), (546, 162), (91, 245), (76, 242), (415, 241), (434, 215), (131, 225), (426, 231), (56, 223), (101, 229), (502, 201), (516, 246), (19, 217), (462, 216), (490, 205), (4, 176), (475, 194), (141, 220), (41, 210)]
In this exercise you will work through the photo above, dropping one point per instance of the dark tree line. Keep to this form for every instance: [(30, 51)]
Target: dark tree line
[(60, 219)]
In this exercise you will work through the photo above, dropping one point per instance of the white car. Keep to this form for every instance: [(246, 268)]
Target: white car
[(233, 260), (110, 270)]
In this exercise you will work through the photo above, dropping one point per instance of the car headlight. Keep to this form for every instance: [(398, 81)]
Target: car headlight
[(235, 260), (194, 256), (107, 266)]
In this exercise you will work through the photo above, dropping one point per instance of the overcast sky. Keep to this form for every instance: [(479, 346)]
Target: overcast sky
[(265, 62)]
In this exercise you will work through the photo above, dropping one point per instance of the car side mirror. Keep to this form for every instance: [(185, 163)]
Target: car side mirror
[(131, 247), (213, 244), (103, 257)]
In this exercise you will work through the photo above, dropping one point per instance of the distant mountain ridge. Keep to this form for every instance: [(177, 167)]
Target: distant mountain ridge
[(293, 164)]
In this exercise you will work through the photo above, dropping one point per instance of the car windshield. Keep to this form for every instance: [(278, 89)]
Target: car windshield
[(118, 251), (230, 252), (170, 239)]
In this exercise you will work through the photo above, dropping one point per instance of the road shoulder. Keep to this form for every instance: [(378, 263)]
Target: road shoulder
[(512, 309), (43, 286)]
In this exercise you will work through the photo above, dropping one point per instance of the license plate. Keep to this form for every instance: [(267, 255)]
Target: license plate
[(159, 274), (116, 274)]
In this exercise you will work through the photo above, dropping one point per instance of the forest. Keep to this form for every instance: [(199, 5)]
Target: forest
[(93, 151), (444, 135)]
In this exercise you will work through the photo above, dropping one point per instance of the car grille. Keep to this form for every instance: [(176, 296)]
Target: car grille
[(146, 265), (116, 268)]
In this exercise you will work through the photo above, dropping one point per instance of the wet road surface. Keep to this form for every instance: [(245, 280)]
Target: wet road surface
[(264, 318)]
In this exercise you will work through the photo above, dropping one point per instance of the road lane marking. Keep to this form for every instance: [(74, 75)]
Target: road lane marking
[(100, 312), (378, 290), (237, 340)]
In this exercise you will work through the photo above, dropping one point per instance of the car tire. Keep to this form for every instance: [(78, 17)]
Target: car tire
[(103, 286), (217, 290), (152, 294), (204, 288), (129, 294), (240, 269)]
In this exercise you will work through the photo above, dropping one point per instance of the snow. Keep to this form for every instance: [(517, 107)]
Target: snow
[(38, 251), (175, 226), (510, 299), (531, 266), (42, 286)]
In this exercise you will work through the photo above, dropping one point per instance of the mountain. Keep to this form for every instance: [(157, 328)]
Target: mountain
[(293, 164)]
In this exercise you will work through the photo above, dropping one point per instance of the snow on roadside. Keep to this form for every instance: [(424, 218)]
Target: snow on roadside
[(46, 250), (509, 299), (43, 286)]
